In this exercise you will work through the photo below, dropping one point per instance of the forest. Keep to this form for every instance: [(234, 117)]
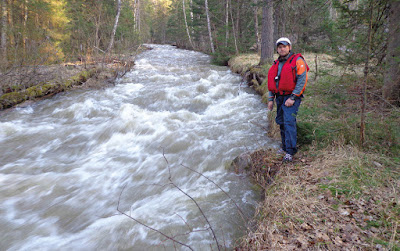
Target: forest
[(53, 31), (343, 190)]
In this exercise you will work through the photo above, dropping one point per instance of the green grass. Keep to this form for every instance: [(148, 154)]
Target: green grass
[(386, 244), (365, 176), (331, 111)]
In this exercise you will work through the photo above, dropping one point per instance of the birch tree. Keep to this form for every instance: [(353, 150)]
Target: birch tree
[(258, 39), (115, 26), (136, 13), (226, 22), (186, 24), (209, 27), (233, 28)]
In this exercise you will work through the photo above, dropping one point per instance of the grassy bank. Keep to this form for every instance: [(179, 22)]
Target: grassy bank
[(337, 194)]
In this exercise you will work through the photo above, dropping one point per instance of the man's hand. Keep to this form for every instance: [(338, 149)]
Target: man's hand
[(270, 105), (289, 102)]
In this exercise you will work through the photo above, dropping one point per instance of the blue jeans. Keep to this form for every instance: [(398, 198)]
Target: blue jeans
[(286, 119)]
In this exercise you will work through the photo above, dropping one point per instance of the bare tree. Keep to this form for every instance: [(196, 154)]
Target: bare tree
[(366, 71), (186, 24), (280, 20), (233, 28), (226, 22), (115, 26), (267, 34), (238, 18), (256, 25), (136, 15), (209, 27), (97, 17), (4, 30), (391, 87), (24, 31), (191, 12)]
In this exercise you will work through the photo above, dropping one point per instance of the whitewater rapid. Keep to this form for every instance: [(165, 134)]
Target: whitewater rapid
[(65, 161)]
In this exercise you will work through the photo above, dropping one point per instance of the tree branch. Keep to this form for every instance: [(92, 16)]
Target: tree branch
[(195, 202), (220, 188), (141, 223)]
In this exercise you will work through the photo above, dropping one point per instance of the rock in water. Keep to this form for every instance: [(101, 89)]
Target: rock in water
[(241, 163)]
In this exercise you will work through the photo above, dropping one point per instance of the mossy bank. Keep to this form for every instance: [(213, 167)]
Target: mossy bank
[(30, 83), (43, 89)]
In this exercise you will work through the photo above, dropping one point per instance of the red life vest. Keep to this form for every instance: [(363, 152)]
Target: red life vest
[(287, 81)]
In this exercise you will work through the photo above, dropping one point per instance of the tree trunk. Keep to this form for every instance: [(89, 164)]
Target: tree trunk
[(267, 34), (24, 31), (238, 19), (280, 20), (11, 35), (115, 26), (186, 24), (366, 71), (136, 15), (391, 87), (276, 18), (191, 12), (233, 28), (258, 39), (209, 27), (332, 12), (97, 17), (97, 25), (192, 20), (4, 31), (226, 22)]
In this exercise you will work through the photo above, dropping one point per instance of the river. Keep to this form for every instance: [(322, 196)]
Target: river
[(67, 162)]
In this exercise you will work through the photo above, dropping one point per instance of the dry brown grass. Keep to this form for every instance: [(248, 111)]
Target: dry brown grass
[(243, 62), (335, 195), (273, 128), (298, 213)]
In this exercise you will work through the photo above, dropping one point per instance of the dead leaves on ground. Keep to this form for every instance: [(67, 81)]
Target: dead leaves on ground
[(298, 214)]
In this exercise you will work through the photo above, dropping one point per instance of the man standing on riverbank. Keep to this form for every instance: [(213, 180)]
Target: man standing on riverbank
[(287, 79)]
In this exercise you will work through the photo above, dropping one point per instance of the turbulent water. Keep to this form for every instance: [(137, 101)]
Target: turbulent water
[(65, 161)]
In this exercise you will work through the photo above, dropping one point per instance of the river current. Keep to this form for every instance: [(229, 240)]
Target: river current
[(67, 162)]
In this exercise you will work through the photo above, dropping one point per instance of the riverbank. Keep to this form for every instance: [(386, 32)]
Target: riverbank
[(336, 194), (23, 85)]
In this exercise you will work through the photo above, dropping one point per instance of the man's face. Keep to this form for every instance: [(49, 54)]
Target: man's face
[(283, 50)]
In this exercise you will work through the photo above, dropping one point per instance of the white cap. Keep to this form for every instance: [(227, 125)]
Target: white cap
[(283, 40)]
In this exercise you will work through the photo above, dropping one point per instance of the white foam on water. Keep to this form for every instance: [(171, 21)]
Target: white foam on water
[(67, 159)]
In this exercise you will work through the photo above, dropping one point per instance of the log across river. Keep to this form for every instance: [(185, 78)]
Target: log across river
[(64, 161)]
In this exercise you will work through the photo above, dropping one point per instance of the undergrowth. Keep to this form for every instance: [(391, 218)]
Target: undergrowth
[(331, 112), (337, 194)]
